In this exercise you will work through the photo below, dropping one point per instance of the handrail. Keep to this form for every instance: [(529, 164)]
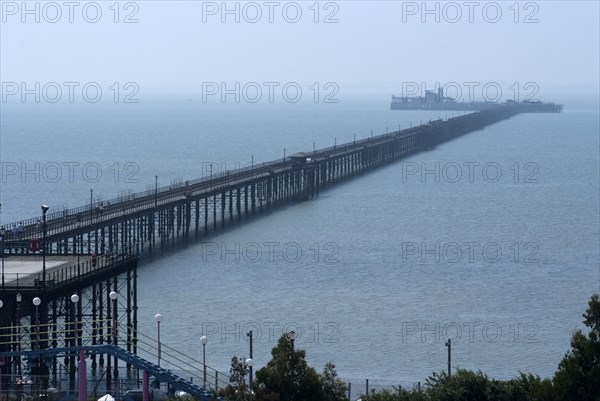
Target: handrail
[(72, 272), (139, 363), (189, 364), (99, 211), (31, 336), (96, 211)]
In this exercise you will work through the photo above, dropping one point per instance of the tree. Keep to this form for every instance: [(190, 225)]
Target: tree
[(578, 375), (463, 385), (287, 376), (237, 390), (333, 388)]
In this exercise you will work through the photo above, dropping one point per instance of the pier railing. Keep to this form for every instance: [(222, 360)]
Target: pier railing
[(24, 338), (72, 271), (87, 218)]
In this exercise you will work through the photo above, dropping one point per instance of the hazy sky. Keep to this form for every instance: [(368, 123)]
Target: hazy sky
[(371, 46)]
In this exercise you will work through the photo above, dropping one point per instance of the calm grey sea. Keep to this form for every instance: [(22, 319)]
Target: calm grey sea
[(491, 240)]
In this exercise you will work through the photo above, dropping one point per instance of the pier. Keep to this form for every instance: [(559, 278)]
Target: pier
[(69, 278), (145, 221)]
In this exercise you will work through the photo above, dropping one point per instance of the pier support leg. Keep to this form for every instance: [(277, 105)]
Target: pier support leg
[(81, 378), (197, 216), (145, 387), (205, 215)]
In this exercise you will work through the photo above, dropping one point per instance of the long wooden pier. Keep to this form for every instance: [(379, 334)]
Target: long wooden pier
[(157, 218), (79, 266)]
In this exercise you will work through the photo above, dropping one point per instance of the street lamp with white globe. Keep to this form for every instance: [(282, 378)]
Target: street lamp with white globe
[(36, 302), (113, 295), (74, 301), (250, 363), (204, 340)]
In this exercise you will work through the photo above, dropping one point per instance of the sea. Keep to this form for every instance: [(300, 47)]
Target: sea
[(490, 240)]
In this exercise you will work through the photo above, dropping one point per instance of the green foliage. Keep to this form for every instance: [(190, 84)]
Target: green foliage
[(577, 378), (333, 388), (578, 375), (465, 385), (400, 394), (237, 390), (287, 376), (186, 397)]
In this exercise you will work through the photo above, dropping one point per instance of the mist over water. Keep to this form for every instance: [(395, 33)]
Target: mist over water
[(375, 273)]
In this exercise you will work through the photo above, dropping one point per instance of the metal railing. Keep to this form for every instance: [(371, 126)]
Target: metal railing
[(100, 211), (31, 337), (177, 362), (73, 270), (27, 337)]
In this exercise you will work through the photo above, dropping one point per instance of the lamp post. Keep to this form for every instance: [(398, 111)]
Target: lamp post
[(2, 233), (250, 363), (89, 236), (292, 336), (74, 300), (204, 340), (250, 336), (113, 296), (76, 244), (158, 318), (100, 209), (449, 345), (36, 302), (155, 191), (18, 298), (44, 211)]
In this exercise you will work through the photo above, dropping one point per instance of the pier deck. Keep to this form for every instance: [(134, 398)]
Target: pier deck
[(155, 218)]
